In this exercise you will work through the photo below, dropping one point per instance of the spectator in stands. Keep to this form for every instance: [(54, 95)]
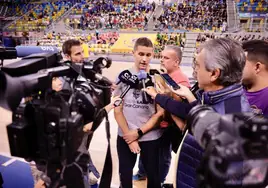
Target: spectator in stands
[(202, 15), (255, 75)]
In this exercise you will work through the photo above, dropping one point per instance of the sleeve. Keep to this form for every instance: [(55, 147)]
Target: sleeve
[(177, 108)]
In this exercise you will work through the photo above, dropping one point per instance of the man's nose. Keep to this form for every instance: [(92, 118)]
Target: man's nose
[(144, 58)]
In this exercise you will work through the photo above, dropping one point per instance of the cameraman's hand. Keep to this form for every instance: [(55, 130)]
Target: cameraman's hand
[(184, 92), (110, 106), (56, 84), (150, 91), (131, 136), (113, 87), (134, 147), (87, 128), (40, 184)]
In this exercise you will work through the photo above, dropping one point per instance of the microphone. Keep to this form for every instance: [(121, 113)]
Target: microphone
[(23, 51), (132, 82), (142, 75), (123, 77)]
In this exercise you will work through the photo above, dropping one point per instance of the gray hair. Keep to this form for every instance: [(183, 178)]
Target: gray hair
[(228, 56), (176, 49)]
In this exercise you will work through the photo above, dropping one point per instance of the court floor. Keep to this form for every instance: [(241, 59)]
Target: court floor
[(99, 144)]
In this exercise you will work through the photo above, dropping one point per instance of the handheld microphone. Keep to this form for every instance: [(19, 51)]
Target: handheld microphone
[(23, 51), (142, 75), (132, 82), (123, 77)]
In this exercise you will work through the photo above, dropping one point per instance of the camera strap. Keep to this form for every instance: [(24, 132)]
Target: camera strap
[(107, 173)]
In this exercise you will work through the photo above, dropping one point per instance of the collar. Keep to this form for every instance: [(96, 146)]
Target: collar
[(213, 97)]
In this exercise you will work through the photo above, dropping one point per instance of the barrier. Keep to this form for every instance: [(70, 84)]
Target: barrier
[(126, 42)]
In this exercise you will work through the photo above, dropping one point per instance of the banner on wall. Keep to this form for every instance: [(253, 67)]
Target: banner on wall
[(253, 15), (126, 42)]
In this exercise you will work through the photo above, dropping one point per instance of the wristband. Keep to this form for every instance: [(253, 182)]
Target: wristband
[(140, 133)]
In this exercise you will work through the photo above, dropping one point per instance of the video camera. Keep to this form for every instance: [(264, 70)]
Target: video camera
[(48, 127), (235, 148)]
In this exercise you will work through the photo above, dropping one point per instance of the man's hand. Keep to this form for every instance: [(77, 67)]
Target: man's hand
[(40, 184), (160, 110), (162, 89), (87, 128), (113, 87), (131, 136), (56, 84), (134, 147), (110, 106), (184, 92), (114, 99), (150, 91)]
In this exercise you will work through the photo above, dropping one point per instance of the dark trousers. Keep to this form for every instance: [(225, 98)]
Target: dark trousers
[(150, 159), (164, 156)]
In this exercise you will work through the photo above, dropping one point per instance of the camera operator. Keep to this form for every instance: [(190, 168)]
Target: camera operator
[(72, 51), (219, 66), (255, 75), (87, 129)]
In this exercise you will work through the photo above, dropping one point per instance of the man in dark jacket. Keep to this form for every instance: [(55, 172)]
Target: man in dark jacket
[(219, 66)]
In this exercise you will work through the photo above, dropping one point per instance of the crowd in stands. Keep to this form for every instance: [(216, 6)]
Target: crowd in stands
[(196, 15), (41, 15), (97, 42), (252, 6), (162, 40), (110, 15), (14, 9), (239, 37)]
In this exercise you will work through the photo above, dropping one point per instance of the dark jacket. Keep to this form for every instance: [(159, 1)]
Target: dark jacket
[(191, 153)]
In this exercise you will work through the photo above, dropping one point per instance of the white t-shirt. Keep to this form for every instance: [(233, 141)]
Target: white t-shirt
[(136, 112)]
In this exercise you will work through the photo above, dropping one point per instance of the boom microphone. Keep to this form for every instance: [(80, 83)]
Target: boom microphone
[(23, 51)]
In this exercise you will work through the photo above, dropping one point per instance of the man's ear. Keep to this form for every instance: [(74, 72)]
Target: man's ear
[(66, 57), (215, 74), (258, 67)]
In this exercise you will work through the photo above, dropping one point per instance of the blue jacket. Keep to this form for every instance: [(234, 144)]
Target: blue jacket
[(191, 153)]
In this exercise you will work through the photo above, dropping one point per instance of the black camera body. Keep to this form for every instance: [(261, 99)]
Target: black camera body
[(235, 148), (48, 127)]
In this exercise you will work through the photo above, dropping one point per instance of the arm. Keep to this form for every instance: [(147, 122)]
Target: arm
[(177, 108), (180, 123), (120, 118), (122, 123), (92, 126), (149, 125), (152, 122)]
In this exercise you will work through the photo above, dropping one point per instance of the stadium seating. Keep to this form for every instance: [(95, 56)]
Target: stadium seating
[(100, 44), (252, 6), (194, 15), (40, 15), (107, 15)]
